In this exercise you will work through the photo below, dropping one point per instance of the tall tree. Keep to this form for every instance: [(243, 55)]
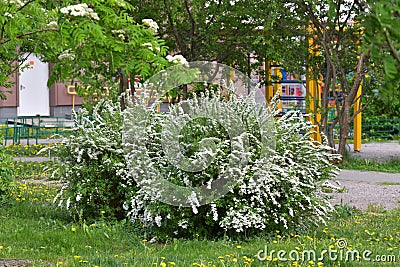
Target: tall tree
[(225, 31), (90, 42)]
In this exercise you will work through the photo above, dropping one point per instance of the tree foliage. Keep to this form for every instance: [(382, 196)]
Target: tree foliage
[(383, 38), (222, 31), (90, 42)]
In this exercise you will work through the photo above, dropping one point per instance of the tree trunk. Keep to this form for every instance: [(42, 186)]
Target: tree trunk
[(122, 88), (344, 128), (185, 94)]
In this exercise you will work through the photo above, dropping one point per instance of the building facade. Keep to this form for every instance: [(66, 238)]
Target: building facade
[(30, 95)]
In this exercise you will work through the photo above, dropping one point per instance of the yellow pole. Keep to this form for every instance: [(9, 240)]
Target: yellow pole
[(277, 85), (269, 89), (231, 76), (71, 91), (357, 122), (313, 97), (357, 131)]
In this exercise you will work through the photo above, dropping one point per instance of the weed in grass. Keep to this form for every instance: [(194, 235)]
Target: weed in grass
[(376, 209), (342, 190), (33, 170), (19, 150), (344, 211), (389, 183)]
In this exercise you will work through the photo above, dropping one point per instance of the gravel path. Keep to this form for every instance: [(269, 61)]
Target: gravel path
[(365, 189), (369, 176), (367, 195), (368, 189)]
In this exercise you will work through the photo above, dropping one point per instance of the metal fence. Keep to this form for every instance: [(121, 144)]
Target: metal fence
[(31, 129)]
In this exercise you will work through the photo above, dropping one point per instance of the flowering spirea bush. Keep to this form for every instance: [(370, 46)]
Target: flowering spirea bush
[(92, 163), (279, 187)]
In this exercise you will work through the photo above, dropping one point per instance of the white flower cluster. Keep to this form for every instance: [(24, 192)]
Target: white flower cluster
[(150, 47), (120, 33), (80, 10), (151, 24), (177, 59), (66, 55), (120, 3), (7, 14), (52, 24), (17, 3)]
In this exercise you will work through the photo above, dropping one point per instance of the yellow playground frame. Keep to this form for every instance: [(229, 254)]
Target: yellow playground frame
[(313, 96)]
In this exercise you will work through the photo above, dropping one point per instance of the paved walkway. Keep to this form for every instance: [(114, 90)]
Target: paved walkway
[(377, 151), (369, 176), (370, 190), (34, 159)]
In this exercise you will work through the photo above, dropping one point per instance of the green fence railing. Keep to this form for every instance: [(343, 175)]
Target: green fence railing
[(34, 128), (379, 128), (385, 128)]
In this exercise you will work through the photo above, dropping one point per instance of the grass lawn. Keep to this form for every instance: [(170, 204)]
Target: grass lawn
[(32, 228), (392, 166)]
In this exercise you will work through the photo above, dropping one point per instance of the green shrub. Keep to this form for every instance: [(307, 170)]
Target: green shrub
[(6, 175)]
